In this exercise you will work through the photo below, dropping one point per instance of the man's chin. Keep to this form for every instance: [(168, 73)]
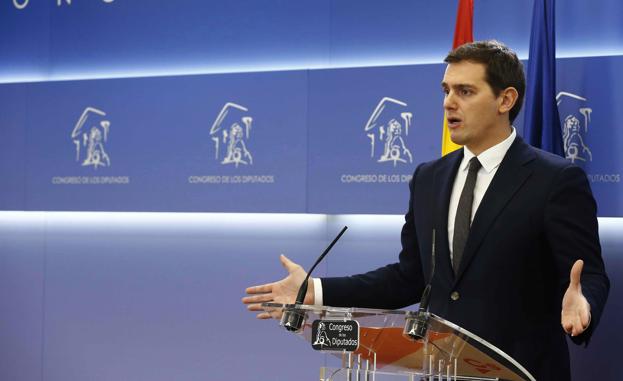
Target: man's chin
[(456, 138)]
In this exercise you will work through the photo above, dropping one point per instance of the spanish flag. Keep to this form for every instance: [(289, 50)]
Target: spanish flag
[(462, 34)]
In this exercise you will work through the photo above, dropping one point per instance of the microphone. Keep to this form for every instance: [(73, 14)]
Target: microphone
[(416, 326), (425, 300), (294, 318)]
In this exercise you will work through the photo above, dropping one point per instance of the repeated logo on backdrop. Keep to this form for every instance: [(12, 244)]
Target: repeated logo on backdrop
[(367, 131), (576, 115), (230, 133), (329, 141), (388, 129), (90, 136), (575, 127), (233, 151)]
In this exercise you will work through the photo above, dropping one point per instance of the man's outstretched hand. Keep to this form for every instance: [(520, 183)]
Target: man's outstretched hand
[(283, 291), (576, 312)]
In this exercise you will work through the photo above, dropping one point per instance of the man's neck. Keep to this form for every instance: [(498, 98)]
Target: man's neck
[(504, 132)]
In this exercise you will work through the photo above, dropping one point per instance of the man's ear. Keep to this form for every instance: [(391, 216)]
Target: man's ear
[(507, 99)]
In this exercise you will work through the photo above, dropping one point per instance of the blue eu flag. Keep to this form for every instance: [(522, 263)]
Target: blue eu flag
[(541, 122)]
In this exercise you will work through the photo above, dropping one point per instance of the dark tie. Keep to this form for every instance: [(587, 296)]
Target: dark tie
[(463, 218)]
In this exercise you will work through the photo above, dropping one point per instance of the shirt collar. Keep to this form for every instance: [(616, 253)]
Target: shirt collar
[(492, 157)]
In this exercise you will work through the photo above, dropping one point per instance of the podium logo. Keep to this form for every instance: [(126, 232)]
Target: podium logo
[(322, 338), (575, 126), (388, 129), (90, 136), (335, 335), (230, 133)]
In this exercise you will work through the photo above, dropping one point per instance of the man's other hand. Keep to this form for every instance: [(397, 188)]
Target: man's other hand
[(576, 312), (283, 291)]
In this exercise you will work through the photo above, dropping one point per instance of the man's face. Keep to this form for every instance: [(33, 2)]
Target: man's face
[(471, 107)]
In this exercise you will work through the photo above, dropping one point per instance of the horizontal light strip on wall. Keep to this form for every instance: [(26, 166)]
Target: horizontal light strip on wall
[(82, 74), (221, 220)]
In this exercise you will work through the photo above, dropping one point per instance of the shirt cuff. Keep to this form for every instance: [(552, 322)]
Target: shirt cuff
[(317, 291)]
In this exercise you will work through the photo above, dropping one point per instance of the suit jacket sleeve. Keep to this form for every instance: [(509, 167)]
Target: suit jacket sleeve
[(572, 233), (390, 287)]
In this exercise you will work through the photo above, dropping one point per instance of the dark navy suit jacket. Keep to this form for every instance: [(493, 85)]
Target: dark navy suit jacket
[(537, 217)]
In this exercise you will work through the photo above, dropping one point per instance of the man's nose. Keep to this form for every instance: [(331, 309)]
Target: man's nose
[(449, 101)]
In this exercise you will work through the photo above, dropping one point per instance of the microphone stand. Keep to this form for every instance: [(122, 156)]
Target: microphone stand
[(416, 323), (293, 317)]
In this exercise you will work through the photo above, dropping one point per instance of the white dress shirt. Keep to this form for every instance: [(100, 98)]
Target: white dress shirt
[(490, 160)]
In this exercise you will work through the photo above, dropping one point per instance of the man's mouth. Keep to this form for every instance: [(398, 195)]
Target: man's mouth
[(454, 122)]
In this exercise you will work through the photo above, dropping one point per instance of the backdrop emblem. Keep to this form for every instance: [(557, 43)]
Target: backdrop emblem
[(230, 132), (388, 129), (90, 136), (575, 126)]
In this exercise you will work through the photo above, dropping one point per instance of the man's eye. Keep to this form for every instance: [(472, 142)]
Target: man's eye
[(466, 92)]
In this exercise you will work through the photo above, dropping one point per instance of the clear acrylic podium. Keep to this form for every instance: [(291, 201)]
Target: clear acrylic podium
[(386, 352)]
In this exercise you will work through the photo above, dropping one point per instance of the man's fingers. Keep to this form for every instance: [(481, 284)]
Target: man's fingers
[(576, 273), (575, 315), (288, 264), (577, 329), (264, 314), (568, 323), (260, 298), (261, 289), (575, 325), (255, 307), (256, 295), (571, 327)]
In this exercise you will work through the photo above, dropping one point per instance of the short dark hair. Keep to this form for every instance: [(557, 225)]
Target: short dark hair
[(503, 68)]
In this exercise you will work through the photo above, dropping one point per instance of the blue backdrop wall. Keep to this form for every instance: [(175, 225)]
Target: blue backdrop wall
[(241, 106)]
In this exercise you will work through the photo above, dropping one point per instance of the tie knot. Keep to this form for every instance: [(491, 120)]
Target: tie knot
[(474, 164)]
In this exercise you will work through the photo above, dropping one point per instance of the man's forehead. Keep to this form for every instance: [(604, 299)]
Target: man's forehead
[(464, 73)]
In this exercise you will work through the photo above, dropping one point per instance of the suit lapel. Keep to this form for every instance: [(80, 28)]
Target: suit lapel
[(508, 179), (443, 182)]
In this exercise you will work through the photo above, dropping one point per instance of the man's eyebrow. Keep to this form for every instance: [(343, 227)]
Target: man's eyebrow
[(458, 85)]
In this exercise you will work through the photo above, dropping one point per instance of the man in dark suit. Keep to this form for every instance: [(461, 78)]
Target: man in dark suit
[(516, 230)]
